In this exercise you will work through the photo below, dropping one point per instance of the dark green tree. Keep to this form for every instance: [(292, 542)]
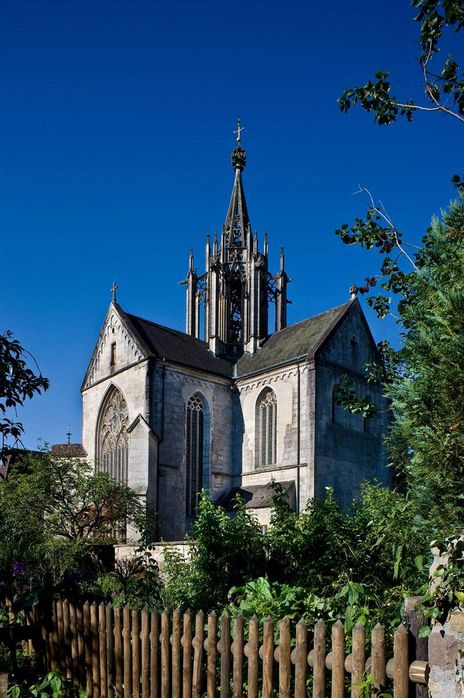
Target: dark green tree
[(18, 382)]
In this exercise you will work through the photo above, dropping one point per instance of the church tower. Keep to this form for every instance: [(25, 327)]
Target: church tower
[(236, 288)]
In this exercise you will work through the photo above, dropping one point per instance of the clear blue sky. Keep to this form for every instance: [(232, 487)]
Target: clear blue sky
[(116, 124)]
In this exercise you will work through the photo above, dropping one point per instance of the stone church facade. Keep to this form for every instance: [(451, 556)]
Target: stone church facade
[(228, 406)]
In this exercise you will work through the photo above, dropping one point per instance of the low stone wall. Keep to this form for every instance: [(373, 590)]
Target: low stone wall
[(157, 552)]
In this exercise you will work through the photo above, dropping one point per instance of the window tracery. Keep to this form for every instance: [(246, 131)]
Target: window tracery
[(113, 439), (195, 452), (266, 428)]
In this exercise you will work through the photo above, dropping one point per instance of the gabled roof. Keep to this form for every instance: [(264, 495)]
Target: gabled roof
[(178, 347), (296, 341), (257, 496)]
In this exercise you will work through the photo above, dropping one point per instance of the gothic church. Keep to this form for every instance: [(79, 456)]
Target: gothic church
[(228, 406)]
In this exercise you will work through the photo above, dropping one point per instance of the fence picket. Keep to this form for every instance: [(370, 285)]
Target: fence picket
[(154, 648), (268, 657), (118, 654), (197, 654), (237, 652), (135, 653), (358, 660), (67, 639), (301, 662), (145, 641), (225, 656), (252, 648), (401, 665), (126, 636), (74, 650), (88, 649), (211, 653), (176, 655), (187, 656), (165, 654), (338, 660), (284, 659), (103, 650), (378, 663), (80, 642), (95, 650), (109, 650)]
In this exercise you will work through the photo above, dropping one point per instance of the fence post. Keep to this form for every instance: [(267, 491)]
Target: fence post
[(418, 647)]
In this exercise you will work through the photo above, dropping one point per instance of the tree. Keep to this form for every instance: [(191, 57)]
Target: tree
[(424, 379), (18, 382), (443, 88), (52, 514)]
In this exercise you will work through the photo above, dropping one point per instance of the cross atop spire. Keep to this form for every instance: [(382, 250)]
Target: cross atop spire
[(113, 290), (239, 130)]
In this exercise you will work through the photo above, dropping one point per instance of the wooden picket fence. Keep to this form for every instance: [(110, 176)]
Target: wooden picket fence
[(123, 652)]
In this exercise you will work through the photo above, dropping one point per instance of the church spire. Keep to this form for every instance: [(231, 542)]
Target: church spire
[(232, 296), (237, 219)]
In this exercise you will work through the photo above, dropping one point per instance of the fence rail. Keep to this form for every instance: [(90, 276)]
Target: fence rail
[(120, 653)]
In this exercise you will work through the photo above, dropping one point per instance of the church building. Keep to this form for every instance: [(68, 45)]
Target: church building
[(230, 405)]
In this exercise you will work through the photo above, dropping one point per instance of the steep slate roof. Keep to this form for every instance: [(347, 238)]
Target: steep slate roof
[(296, 341), (178, 347)]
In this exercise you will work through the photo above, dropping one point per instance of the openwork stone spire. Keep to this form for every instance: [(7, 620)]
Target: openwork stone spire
[(234, 292)]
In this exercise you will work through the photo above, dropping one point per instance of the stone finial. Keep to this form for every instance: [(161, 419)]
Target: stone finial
[(238, 158), (353, 291)]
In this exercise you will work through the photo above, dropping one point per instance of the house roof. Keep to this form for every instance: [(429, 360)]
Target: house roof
[(68, 451), (296, 341), (181, 348)]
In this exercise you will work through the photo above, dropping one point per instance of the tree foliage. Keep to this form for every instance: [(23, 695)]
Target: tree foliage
[(18, 382), (443, 85)]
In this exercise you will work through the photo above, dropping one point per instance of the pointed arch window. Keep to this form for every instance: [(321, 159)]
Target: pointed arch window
[(112, 438), (197, 456), (266, 428)]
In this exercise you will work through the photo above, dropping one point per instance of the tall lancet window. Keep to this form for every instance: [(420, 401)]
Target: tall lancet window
[(266, 428), (113, 440), (197, 452)]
